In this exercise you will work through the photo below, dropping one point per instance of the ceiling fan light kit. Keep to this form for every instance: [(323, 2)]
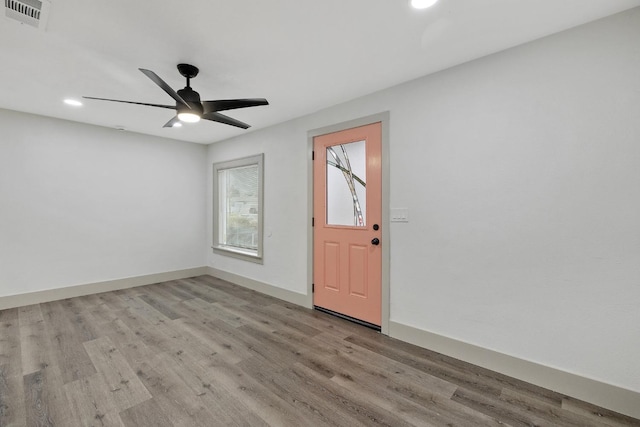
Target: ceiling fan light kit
[(189, 108), (187, 117), (422, 4)]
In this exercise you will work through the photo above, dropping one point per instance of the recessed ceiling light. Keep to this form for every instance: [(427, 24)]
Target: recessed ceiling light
[(73, 102), (423, 4), (177, 125)]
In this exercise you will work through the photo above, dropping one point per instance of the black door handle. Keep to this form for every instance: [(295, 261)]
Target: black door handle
[(375, 241)]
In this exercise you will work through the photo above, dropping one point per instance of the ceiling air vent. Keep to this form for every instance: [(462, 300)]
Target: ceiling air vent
[(30, 12)]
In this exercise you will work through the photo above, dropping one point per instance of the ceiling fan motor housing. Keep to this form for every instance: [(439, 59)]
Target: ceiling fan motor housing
[(192, 98)]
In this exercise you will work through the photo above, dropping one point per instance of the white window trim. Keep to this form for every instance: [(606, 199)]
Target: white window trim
[(232, 251)]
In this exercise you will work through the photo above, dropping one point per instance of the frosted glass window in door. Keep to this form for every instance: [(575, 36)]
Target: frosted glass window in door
[(346, 184)]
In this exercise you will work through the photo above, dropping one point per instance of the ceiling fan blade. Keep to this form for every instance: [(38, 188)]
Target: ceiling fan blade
[(221, 118), (230, 104), (157, 80), (171, 122), (172, 107)]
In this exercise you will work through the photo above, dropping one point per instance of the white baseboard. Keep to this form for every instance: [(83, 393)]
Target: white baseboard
[(608, 396), (255, 285), (37, 297)]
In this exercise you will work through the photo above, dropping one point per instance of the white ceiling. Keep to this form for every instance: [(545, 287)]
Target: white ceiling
[(301, 55)]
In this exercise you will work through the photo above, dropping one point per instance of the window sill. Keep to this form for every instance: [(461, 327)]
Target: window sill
[(238, 253)]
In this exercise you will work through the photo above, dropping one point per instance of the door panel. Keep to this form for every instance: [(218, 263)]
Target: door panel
[(332, 266), (347, 204), (358, 270)]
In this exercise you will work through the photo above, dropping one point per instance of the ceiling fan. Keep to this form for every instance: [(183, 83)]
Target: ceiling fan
[(188, 106)]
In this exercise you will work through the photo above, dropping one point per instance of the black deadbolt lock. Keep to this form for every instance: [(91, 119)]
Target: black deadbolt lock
[(376, 227)]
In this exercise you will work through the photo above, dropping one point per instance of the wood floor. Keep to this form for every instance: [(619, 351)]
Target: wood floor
[(203, 352)]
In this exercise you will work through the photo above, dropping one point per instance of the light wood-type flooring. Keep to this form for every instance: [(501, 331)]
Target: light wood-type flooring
[(204, 352)]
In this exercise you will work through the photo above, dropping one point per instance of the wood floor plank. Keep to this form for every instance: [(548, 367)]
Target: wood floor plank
[(30, 314), (146, 414), (174, 287), (398, 388), (160, 289), (423, 407), (280, 322), (315, 408), (202, 351), (499, 380), (180, 404), (123, 383), (357, 405), (597, 415), (160, 306), (271, 408), (316, 319), (238, 312), (147, 332), (12, 409), (10, 349), (446, 373), (86, 328), (138, 354), (210, 392), (46, 403), (494, 407), (66, 344), (170, 336), (72, 305), (90, 302), (547, 412), (197, 291), (215, 344), (118, 332), (9, 315), (402, 379), (238, 291), (37, 406), (102, 313), (112, 300), (91, 402), (223, 298), (214, 309), (138, 307), (232, 339), (280, 350), (36, 348)]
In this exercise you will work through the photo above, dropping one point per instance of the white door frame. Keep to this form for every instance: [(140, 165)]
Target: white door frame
[(383, 118)]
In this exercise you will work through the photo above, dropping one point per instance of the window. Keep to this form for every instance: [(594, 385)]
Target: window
[(237, 208)]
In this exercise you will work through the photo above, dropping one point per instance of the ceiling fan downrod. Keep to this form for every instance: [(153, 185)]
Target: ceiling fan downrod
[(188, 71)]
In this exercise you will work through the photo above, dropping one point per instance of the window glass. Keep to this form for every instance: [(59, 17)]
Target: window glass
[(237, 222)]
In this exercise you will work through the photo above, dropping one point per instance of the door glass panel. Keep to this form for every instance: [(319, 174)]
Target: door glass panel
[(346, 184)]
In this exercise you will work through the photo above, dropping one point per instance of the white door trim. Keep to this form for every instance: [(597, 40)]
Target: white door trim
[(384, 119)]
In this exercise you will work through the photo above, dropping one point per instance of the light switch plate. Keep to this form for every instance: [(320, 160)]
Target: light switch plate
[(399, 214)]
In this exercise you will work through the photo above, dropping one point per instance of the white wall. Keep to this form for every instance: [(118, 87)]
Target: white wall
[(285, 216), (82, 204), (522, 175)]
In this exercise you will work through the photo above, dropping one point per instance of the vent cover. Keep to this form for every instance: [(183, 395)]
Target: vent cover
[(30, 12)]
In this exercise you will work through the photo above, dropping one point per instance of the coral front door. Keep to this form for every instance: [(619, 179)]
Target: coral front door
[(347, 253)]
